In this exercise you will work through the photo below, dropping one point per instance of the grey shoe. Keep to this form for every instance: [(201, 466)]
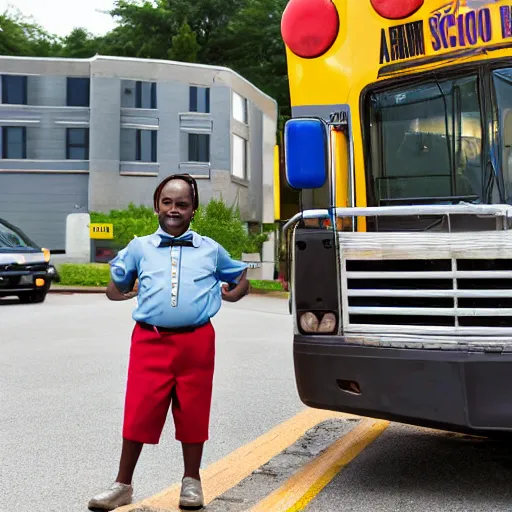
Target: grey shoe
[(191, 493), (115, 496)]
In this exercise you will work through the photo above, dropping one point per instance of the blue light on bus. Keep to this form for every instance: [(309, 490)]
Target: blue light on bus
[(306, 153)]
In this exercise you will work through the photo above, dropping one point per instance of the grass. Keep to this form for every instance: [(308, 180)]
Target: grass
[(89, 274), (97, 274), (271, 286)]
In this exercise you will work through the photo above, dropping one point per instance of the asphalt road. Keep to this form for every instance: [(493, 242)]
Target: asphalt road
[(411, 469), (62, 379)]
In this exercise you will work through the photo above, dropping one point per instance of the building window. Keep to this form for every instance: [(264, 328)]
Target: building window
[(145, 146), (77, 143), (200, 99), (14, 142), (239, 108), (198, 147), (14, 89), (145, 95), (240, 157), (78, 90)]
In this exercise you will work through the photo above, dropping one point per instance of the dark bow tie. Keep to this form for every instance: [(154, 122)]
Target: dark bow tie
[(173, 242)]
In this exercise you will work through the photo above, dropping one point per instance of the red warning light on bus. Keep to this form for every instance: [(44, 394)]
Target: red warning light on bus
[(396, 9), (310, 27)]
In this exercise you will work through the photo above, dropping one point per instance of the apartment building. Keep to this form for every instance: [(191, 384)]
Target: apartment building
[(98, 134)]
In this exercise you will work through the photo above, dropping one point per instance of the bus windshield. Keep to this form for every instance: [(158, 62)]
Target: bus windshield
[(426, 143), (502, 81)]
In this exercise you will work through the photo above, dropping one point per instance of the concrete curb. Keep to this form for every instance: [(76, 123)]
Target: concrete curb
[(55, 288), (77, 289)]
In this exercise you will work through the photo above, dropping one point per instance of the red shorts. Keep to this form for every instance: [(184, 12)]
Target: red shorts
[(164, 368)]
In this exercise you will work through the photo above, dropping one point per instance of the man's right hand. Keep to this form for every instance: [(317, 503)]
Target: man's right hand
[(113, 292)]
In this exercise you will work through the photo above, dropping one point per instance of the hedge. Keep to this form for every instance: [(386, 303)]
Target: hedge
[(215, 220), (88, 274), (98, 274), (274, 286)]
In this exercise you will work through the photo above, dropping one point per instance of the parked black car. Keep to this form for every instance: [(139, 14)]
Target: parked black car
[(25, 269)]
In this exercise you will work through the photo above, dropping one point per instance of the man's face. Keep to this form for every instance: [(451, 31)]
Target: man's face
[(175, 207)]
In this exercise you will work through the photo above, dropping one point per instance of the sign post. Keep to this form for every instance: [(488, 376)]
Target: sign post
[(98, 231)]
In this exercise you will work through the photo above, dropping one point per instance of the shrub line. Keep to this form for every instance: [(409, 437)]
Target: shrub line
[(58, 288), (98, 274)]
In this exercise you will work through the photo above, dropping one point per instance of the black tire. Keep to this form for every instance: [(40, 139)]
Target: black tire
[(499, 437), (33, 297)]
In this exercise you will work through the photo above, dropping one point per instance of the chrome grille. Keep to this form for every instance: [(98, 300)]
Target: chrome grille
[(443, 283)]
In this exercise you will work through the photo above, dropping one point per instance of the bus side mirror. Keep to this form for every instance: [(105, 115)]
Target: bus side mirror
[(306, 152)]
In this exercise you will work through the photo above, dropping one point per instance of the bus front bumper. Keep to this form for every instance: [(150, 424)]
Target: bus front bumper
[(461, 391)]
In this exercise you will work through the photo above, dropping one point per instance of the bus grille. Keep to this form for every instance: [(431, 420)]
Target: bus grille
[(449, 288)]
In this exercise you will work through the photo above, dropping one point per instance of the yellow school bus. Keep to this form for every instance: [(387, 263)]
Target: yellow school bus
[(400, 260)]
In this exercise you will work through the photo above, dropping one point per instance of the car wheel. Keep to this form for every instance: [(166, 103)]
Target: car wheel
[(33, 297)]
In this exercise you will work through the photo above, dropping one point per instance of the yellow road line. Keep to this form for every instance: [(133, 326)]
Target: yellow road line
[(295, 494), (232, 469)]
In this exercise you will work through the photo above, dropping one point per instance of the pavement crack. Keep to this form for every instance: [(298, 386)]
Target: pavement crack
[(231, 500), (265, 471), (299, 453)]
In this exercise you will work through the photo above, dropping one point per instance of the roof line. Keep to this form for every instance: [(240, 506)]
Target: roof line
[(98, 57), (187, 65)]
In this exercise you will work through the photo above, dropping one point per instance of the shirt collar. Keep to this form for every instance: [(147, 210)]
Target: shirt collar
[(160, 233)]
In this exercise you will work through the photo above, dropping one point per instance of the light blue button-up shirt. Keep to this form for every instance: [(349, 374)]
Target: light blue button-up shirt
[(178, 286)]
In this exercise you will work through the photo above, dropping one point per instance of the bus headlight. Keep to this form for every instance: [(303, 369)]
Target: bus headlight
[(328, 323), (312, 323), (309, 322)]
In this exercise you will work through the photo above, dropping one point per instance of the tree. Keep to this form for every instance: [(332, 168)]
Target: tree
[(144, 30), (205, 17), (80, 44), (22, 36), (244, 35), (252, 45), (184, 45)]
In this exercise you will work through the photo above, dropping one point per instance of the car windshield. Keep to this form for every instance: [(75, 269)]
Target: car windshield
[(426, 143), (11, 238)]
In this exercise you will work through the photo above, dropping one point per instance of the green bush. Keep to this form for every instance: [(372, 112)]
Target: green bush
[(224, 225), (134, 221), (267, 285), (215, 220), (91, 274)]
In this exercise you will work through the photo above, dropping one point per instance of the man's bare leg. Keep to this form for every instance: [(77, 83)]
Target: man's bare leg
[(129, 457)]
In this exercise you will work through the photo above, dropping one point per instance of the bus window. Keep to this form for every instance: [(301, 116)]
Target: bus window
[(503, 86), (426, 143)]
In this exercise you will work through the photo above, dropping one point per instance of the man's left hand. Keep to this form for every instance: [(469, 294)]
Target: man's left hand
[(238, 292)]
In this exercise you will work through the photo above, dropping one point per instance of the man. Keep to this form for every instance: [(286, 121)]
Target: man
[(173, 342)]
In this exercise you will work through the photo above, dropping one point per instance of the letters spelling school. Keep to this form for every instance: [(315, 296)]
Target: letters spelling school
[(447, 31)]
